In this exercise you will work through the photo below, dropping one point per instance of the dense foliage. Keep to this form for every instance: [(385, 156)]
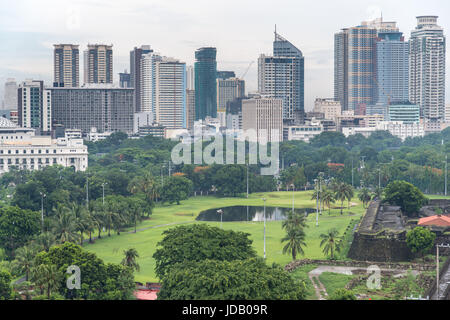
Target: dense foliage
[(199, 242), (420, 240), (407, 196), (248, 279)]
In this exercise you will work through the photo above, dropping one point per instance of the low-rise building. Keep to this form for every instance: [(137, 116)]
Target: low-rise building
[(304, 132)]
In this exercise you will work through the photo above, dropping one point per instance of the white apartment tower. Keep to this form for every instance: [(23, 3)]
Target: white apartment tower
[(265, 115), (427, 68), (66, 65), (34, 106)]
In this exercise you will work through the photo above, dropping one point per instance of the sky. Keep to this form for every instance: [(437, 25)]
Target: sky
[(241, 30)]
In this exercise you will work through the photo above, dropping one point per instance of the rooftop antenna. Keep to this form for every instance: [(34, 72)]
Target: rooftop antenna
[(275, 31)]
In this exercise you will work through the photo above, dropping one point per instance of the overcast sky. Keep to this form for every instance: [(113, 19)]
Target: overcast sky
[(239, 29)]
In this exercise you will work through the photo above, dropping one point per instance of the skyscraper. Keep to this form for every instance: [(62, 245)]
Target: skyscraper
[(10, 98), (355, 66), (66, 65), (35, 106), (190, 78), (281, 76), (205, 83), (124, 80), (427, 68), (135, 72), (147, 80), (170, 93), (98, 64), (228, 90), (392, 67)]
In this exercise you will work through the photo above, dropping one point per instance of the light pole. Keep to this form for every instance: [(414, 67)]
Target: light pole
[(437, 266), (293, 189), (317, 202), (87, 190), (247, 180), (264, 199), (352, 174), (43, 195), (379, 178), (220, 211), (445, 175), (103, 187)]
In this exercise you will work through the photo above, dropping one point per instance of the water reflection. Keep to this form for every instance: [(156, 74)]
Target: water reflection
[(249, 213)]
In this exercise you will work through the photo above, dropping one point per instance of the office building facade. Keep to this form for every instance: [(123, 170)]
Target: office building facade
[(104, 107), (135, 72), (34, 106), (205, 83), (10, 95), (265, 116)]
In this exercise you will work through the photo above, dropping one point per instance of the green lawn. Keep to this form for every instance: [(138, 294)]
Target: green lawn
[(333, 281), (111, 248)]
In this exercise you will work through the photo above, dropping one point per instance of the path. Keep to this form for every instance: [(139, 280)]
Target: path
[(321, 291), (444, 282)]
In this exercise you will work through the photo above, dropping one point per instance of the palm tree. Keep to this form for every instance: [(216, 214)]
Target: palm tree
[(130, 259), (99, 218), (364, 196), (378, 193), (84, 224), (24, 260), (330, 242), (341, 193), (349, 194), (294, 221), (65, 226), (295, 238), (45, 240), (46, 277), (328, 198)]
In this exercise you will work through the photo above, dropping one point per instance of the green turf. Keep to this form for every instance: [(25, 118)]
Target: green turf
[(111, 248), (333, 281), (301, 274)]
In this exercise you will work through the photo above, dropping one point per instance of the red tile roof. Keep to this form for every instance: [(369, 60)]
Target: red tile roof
[(145, 294), (439, 220)]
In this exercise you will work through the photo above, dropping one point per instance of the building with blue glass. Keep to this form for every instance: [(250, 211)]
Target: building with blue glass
[(205, 83)]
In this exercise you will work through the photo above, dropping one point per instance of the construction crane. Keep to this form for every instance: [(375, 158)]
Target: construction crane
[(248, 68)]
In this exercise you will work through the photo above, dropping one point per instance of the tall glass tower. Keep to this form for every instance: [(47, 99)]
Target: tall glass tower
[(205, 83)]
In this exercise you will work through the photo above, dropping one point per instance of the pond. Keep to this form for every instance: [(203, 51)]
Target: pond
[(249, 213)]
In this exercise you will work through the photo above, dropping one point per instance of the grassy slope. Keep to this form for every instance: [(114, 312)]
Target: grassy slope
[(111, 249)]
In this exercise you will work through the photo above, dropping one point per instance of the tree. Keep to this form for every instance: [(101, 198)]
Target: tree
[(130, 259), (407, 196), (176, 189), (364, 196), (420, 240), (200, 242), (295, 241), (65, 226), (342, 294), (45, 240), (17, 227), (330, 242), (5, 285), (24, 260), (47, 277), (328, 198), (230, 180), (343, 192), (229, 280)]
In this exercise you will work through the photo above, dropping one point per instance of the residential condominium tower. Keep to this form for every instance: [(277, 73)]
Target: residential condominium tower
[(35, 106), (66, 65), (427, 68), (205, 83), (98, 64)]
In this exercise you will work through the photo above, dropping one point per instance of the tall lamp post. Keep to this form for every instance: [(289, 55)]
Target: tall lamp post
[(293, 189), (43, 195), (317, 202), (264, 199), (247, 180), (220, 211), (446, 175), (103, 187)]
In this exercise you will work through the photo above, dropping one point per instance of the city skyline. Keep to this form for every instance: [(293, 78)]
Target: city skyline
[(237, 43)]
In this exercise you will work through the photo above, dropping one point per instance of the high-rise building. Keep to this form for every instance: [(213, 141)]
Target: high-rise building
[(225, 74), (281, 76), (125, 80), (355, 66), (265, 115), (408, 113), (135, 72), (35, 106), (330, 108), (10, 95), (66, 65), (98, 64), (190, 78), (190, 109), (170, 93), (101, 106), (228, 90), (147, 82), (392, 67), (427, 68), (205, 83)]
